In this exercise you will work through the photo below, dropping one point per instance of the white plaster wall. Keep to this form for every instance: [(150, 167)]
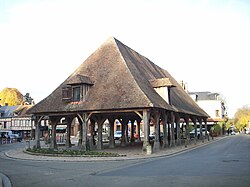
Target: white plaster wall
[(210, 106), (163, 92)]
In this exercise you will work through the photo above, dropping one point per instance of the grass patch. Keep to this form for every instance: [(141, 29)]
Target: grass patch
[(64, 152)]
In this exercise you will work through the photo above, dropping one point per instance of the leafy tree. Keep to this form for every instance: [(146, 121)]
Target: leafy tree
[(242, 117), (11, 96)]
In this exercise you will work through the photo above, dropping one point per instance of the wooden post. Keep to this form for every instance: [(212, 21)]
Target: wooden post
[(132, 131), (206, 135), (111, 135), (100, 120), (146, 144), (172, 130), (165, 131), (53, 144), (54, 120), (138, 129), (38, 120), (201, 134), (92, 134), (186, 118), (80, 132), (178, 132), (169, 132), (124, 122), (69, 121), (85, 141), (193, 118), (156, 121)]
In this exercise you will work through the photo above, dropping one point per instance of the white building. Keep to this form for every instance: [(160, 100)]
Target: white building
[(212, 103)]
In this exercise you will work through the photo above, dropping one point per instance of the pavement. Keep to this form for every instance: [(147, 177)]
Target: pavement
[(128, 153)]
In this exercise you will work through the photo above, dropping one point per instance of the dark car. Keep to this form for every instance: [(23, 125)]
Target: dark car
[(152, 136)]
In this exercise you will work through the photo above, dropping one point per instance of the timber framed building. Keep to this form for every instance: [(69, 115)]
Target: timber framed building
[(117, 83)]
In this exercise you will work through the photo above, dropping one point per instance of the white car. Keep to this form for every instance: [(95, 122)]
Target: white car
[(118, 135), (192, 133)]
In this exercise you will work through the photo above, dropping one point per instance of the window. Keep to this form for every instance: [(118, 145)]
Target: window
[(76, 93), (67, 93)]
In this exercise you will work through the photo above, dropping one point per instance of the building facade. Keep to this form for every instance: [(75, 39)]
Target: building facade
[(15, 119), (212, 103)]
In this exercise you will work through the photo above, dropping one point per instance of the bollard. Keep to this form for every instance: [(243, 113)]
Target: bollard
[(27, 144), (149, 150)]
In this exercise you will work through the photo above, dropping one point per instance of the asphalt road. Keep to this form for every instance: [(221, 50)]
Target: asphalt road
[(223, 163)]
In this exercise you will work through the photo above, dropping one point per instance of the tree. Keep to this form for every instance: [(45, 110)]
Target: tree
[(242, 117), (11, 96), (27, 99)]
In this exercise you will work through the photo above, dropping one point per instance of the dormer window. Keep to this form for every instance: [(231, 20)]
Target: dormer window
[(162, 87), (76, 89)]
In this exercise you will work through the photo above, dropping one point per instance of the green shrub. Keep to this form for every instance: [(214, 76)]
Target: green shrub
[(71, 152)]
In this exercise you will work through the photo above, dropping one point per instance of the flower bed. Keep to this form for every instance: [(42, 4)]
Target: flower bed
[(64, 152)]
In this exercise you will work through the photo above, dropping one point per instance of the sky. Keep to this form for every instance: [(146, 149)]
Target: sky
[(205, 43)]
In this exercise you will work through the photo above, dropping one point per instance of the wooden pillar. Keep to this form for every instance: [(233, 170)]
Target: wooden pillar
[(165, 132), (178, 130), (186, 118), (54, 120), (138, 129), (169, 132), (193, 118), (124, 122), (172, 142), (201, 134), (53, 144), (37, 131), (69, 121), (146, 144), (92, 135), (126, 132), (111, 135), (85, 141), (80, 132), (100, 120), (206, 135), (32, 122), (132, 132), (156, 121)]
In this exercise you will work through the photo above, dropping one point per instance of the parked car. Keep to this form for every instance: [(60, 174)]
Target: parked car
[(192, 133), (16, 137), (152, 136), (232, 133), (118, 135)]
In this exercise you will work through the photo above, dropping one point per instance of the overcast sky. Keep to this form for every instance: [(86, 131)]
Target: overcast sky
[(204, 43)]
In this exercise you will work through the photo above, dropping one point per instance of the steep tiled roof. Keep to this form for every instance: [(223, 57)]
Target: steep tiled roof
[(121, 79)]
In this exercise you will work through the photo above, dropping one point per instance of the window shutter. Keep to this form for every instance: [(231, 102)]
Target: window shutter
[(67, 93)]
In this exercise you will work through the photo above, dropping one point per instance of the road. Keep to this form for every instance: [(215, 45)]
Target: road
[(223, 163)]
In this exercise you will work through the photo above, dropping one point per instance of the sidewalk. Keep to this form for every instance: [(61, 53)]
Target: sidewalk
[(131, 152)]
